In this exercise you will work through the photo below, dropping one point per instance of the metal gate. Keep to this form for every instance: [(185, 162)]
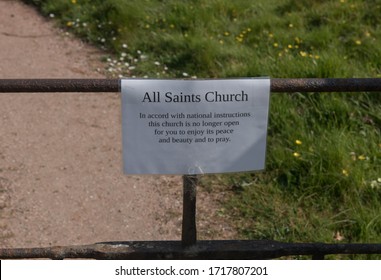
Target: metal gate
[(189, 247)]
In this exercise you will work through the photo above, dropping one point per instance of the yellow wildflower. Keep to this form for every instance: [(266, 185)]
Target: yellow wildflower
[(358, 42), (345, 172), (74, 1), (296, 154), (69, 23), (361, 157), (275, 45), (303, 54), (298, 142)]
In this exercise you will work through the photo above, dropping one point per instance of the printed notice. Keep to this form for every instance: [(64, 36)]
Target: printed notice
[(194, 126)]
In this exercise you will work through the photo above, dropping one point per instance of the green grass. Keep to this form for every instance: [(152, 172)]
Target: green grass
[(326, 187), (220, 38)]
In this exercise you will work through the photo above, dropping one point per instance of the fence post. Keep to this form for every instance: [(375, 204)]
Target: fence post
[(189, 230)]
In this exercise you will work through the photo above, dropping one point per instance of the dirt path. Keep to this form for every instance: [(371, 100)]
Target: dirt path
[(61, 181), (60, 154)]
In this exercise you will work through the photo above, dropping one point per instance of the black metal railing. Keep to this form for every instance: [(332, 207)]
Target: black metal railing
[(189, 247)]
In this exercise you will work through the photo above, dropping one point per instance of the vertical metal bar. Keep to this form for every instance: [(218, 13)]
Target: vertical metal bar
[(189, 230)]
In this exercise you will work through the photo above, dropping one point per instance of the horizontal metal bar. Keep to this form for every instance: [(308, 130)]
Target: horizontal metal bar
[(326, 85), (229, 249), (113, 85), (59, 85)]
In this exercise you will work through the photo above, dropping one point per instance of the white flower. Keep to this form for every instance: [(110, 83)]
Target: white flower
[(373, 184), (157, 63), (185, 74), (124, 46)]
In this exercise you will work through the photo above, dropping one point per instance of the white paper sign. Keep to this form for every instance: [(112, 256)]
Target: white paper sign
[(194, 126)]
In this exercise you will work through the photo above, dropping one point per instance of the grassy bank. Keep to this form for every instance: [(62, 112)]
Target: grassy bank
[(323, 176)]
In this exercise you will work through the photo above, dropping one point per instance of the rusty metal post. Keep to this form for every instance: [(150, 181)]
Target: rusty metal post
[(189, 230)]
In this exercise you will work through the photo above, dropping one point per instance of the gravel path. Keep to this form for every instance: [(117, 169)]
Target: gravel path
[(60, 154), (61, 180)]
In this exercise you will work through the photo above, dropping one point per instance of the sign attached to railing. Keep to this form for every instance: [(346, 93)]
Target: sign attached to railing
[(194, 126)]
